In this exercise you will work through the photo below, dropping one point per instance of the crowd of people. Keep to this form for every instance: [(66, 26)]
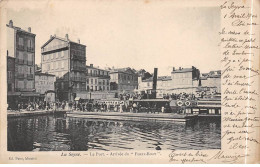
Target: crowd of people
[(90, 106)]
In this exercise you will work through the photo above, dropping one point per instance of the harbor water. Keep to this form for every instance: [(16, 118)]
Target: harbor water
[(63, 133)]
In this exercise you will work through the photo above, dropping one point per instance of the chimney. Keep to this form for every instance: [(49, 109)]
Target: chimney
[(91, 65), (78, 40), (29, 29), (50, 36), (11, 23), (67, 36), (173, 68), (179, 68)]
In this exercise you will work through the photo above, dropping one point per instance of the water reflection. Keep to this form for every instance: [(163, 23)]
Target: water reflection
[(49, 133)]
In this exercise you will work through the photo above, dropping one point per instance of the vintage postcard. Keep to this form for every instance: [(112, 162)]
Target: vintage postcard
[(130, 81)]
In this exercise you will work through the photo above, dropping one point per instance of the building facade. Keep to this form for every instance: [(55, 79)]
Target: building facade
[(211, 81), (164, 84), (67, 61), (21, 47), (97, 79), (123, 80), (185, 80), (44, 84)]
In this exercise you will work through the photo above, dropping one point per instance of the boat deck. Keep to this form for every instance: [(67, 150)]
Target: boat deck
[(132, 116)]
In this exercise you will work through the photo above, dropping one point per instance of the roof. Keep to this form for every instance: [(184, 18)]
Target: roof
[(96, 68), (182, 70), (123, 70), (21, 30), (160, 78), (9, 57), (62, 39)]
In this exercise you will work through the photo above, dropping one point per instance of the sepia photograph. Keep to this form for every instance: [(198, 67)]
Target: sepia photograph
[(95, 79)]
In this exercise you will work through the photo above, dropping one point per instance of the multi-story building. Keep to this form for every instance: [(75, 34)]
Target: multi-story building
[(21, 47), (97, 79), (164, 85), (211, 81), (123, 80), (44, 84), (185, 80), (67, 61)]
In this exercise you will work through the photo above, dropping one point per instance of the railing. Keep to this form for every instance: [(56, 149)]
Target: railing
[(29, 76), (29, 62), (96, 75), (30, 49), (20, 61), (23, 89), (20, 76), (78, 57), (78, 68), (54, 47), (20, 46), (82, 79), (78, 89)]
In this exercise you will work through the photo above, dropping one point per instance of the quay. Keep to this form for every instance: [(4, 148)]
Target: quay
[(17, 114), (133, 116)]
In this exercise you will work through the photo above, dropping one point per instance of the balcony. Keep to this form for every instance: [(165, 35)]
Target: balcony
[(20, 46), (30, 62), (77, 68), (77, 57), (21, 76), (23, 89), (19, 61), (30, 49), (78, 89), (78, 79), (29, 76), (47, 49)]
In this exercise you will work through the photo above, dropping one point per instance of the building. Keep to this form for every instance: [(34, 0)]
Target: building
[(11, 82), (97, 79), (67, 61), (164, 84), (211, 81), (123, 80), (20, 66), (44, 84), (185, 80)]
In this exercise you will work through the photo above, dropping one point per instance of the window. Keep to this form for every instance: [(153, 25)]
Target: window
[(9, 87), (52, 65), (9, 74), (95, 87), (30, 57), (95, 81), (20, 42), (20, 84), (62, 85), (51, 55), (59, 54), (62, 64), (29, 43), (62, 53), (87, 81), (57, 65), (91, 81)]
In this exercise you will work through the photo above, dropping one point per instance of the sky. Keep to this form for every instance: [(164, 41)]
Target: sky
[(135, 34)]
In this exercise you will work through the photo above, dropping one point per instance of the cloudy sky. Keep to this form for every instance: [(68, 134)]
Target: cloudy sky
[(138, 34)]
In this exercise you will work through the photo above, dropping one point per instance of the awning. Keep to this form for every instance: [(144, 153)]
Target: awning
[(77, 98), (13, 93), (31, 94)]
